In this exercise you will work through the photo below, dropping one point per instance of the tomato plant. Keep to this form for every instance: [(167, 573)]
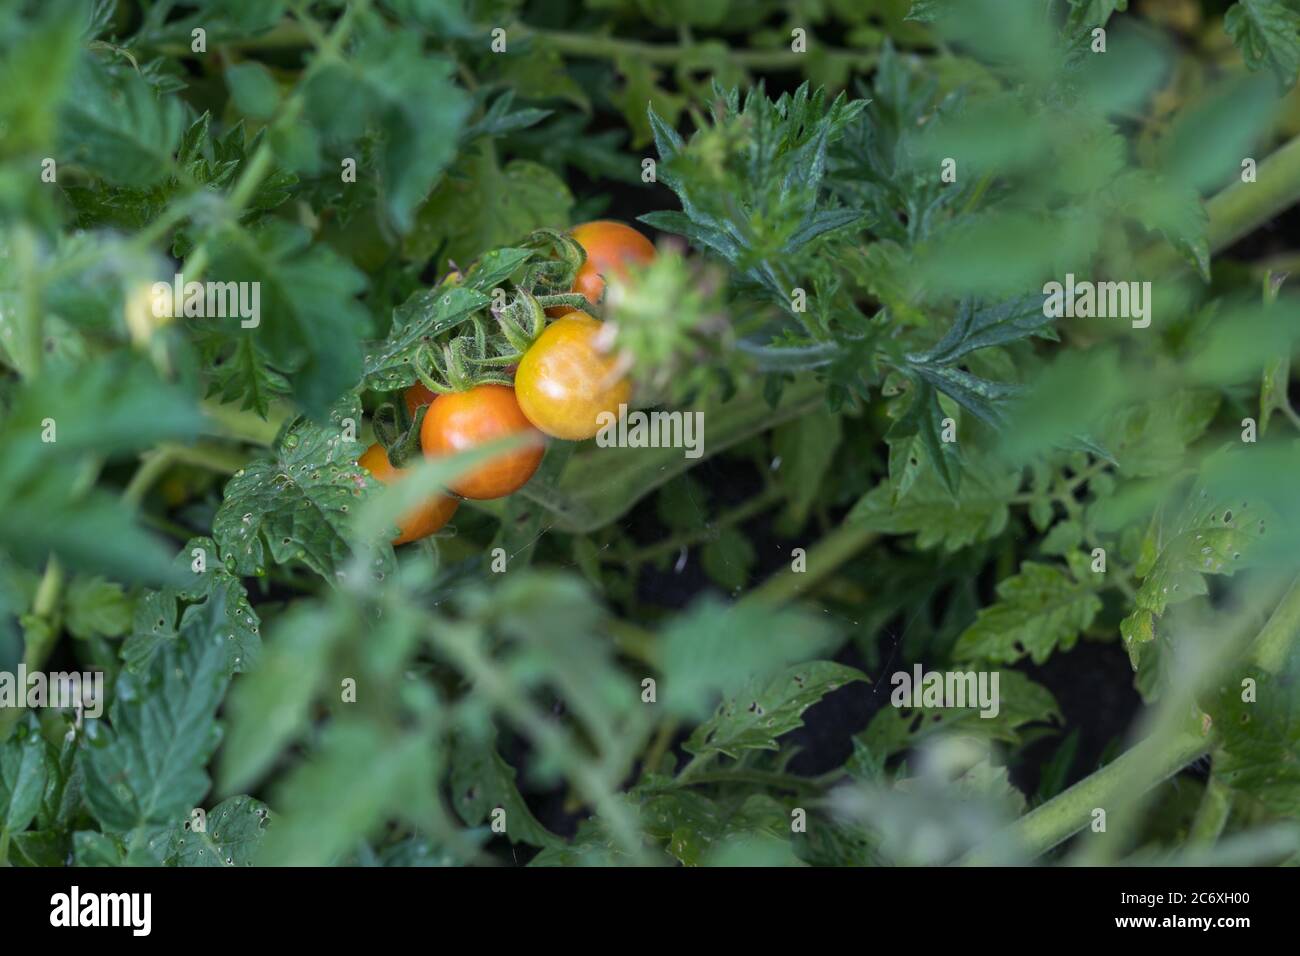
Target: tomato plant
[(917, 377)]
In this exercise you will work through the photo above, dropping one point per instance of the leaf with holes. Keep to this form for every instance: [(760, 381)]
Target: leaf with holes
[(1040, 610), (757, 715), (1019, 703), (231, 835), (294, 505)]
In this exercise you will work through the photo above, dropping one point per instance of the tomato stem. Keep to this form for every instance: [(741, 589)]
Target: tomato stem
[(1212, 813), (1053, 822), (821, 560), (247, 426), (40, 634), (1244, 207), (607, 47), (1149, 762)]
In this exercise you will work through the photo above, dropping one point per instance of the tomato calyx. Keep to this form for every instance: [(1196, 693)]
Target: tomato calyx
[(398, 433), (521, 320), (461, 363), (556, 267), (568, 301), (553, 275)]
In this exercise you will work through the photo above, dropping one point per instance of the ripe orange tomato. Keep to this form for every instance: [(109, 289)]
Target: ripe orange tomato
[(610, 247), (564, 382), (417, 395), (420, 522), (484, 413)]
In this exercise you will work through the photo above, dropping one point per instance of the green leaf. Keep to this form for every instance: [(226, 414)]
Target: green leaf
[(641, 94), (146, 766), (38, 54), (717, 648), (1273, 390), (754, 717), (311, 320), (539, 72), (693, 828), (231, 835), (493, 268), (427, 314), (1260, 757), (1020, 702), (757, 199), (420, 851), (1151, 438), (1268, 34), (978, 513), (1056, 770), (1038, 611), (253, 89), (272, 705), (40, 848), (728, 559), (481, 781), (481, 205), (1169, 207), (293, 506), (160, 615), (407, 97), (93, 606), (115, 125), (806, 449), (683, 503), (90, 412), (591, 846), (357, 776), (558, 645), (98, 849), (1094, 13), (61, 802), (975, 329), (927, 11), (25, 767), (989, 326), (916, 442), (1064, 537), (1207, 536), (246, 376)]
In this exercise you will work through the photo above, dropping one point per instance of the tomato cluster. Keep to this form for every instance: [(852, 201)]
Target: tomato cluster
[(563, 383)]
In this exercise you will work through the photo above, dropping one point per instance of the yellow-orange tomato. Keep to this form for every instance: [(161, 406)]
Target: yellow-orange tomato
[(610, 247), (417, 395), (564, 382), (464, 420), (419, 522)]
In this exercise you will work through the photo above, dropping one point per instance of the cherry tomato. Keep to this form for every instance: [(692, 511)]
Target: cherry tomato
[(484, 413), (564, 382), (610, 247), (417, 395), (419, 522)]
